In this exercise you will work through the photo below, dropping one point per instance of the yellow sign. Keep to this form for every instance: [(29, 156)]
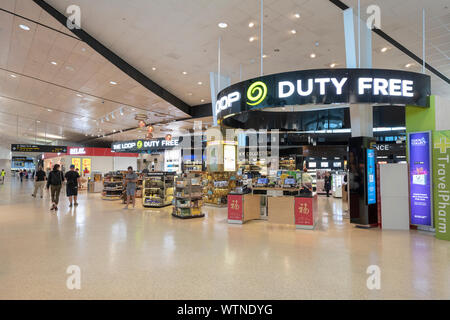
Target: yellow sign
[(86, 166), (77, 163)]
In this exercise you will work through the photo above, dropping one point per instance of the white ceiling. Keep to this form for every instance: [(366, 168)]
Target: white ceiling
[(175, 36)]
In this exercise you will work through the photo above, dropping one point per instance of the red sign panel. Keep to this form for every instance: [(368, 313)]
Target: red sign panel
[(235, 207), (304, 214)]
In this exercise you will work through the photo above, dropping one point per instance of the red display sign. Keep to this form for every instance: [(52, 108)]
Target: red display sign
[(304, 212), (235, 207), (91, 152)]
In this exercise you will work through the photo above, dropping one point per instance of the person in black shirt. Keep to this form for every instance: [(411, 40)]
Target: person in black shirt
[(54, 183), (73, 182), (39, 182)]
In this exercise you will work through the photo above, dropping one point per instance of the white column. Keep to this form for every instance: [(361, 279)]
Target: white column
[(361, 120)]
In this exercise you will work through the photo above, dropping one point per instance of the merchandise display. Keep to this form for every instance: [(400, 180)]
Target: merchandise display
[(217, 186), (158, 189), (188, 196), (287, 163), (189, 166), (112, 186)]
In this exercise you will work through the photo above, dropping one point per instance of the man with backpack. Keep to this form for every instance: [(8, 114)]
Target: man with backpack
[(54, 183)]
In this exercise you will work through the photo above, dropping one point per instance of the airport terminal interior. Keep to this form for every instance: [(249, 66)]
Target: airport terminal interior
[(224, 149)]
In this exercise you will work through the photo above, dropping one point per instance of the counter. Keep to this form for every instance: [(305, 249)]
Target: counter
[(283, 206)]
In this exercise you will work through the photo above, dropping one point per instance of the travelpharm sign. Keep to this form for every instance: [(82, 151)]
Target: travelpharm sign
[(441, 183), (325, 86), (145, 145)]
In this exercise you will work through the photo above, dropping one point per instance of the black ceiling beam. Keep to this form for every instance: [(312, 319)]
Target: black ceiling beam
[(117, 61), (397, 44)]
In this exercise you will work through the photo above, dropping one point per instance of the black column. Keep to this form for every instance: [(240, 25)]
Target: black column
[(361, 212)]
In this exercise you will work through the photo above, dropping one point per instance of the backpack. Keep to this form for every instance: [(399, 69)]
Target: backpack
[(55, 178)]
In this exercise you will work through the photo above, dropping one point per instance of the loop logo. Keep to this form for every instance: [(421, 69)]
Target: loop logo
[(256, 93), (139, 144)]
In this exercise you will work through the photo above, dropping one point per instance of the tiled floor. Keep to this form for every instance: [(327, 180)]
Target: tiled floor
[(148, 254)]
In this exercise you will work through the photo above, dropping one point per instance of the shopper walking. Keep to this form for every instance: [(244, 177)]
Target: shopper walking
[(39, 182), (54, 183), (327, 184), (21, 175), (73, 182), (3, 174), (130, 182)]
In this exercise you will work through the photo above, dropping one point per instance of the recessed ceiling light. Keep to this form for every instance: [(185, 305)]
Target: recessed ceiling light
[(153, 68), (312, 55), (293, 31), (297, 15), (79, 95), (24, 27), (184, 72), (54, 63), (189, 93), (251, 24), (222, 25), (384, 49), (264, 56), (113, 83), (49, 110), (38, 121), (13, 75), (332, 65), (203, 100), (199, 83), (408, 65), (83, 49), (251, 39), (133, 109)]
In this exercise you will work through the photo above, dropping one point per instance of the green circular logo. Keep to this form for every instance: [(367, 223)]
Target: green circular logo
[(139, 144), (256, 93)]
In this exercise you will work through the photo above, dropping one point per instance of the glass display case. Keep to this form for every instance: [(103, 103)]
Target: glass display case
[(158, 189)]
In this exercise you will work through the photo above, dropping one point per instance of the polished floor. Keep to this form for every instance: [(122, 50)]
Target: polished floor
[(148, 254)]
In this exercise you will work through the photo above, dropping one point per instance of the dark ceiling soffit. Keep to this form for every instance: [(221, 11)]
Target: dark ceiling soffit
[(117, 61), (202, 110), (396, 44)]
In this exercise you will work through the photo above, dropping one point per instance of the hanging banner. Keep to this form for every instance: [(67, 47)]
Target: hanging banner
[(86, 166), (77, 163), (441, 185), (420, 197)]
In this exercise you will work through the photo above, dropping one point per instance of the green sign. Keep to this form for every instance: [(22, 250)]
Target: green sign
[(441, 183)]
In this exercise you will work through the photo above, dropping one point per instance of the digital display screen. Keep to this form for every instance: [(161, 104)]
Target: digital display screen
[(371, 188), (289, 181), (337, 164), (263, 181), (324, 164), (420, 178), (312, 165)]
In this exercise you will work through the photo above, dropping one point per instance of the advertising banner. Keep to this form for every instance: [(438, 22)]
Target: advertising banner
[(235, 207), (420, 197), (441, 185), (303, 213), (86, 166), (38, 148), (371, 184), (77, 163)]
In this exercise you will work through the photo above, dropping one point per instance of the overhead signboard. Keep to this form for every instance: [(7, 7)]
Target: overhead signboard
[(325, 86), (146, 145), (38, 148), (419, 148)]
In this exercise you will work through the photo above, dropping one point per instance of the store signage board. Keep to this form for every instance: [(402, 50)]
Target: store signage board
[(77, 151), (371, 184), (145, 145), (304, 211), (235, 208), (441, 185), (38, 148), (420, 196), (325, 86)]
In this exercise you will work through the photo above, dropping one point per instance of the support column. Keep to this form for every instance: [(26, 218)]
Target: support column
[(361, 120)]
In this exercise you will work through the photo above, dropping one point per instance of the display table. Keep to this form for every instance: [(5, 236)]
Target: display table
[(282, 207)]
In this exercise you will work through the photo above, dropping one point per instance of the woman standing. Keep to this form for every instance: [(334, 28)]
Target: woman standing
[(54, 182), (327, 185)]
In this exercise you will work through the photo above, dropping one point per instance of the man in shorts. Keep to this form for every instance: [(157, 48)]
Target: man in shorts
[(130, 182), (73, 182)]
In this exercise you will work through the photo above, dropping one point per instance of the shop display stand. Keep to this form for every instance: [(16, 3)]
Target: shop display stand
[(188, 197), (112, 186), (158, 189), (216, 187)]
